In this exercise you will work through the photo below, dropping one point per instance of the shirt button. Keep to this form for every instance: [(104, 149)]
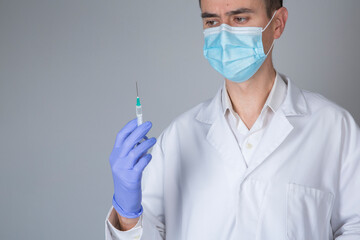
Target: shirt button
[(248, 145)]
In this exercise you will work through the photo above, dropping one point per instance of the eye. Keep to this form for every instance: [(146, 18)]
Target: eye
[(240, 19), (211, 23)]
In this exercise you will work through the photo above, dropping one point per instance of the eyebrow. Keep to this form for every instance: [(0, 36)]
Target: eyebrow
[(234, 12)]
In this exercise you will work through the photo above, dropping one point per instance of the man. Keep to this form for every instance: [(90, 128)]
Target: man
[(263, 159)]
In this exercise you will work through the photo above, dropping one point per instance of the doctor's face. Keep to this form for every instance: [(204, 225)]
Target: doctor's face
[(237, 13)]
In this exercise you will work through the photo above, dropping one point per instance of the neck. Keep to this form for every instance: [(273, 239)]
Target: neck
[(249, 97)]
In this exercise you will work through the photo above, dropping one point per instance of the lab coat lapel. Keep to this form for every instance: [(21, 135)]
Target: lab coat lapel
[(223, 140), (221, 137), (277, 131), (279, 127)]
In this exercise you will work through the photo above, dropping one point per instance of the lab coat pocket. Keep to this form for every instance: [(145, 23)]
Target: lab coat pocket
[(308, 212)]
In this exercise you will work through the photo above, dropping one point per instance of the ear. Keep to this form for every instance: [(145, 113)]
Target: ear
[(280, 22)]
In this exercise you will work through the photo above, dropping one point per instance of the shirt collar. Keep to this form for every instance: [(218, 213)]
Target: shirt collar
[(273, 101)]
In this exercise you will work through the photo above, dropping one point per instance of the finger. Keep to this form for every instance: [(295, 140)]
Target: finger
[(125, 132), (135, 137), (136, 153), (145, 138), (113, 156), (142, 163)]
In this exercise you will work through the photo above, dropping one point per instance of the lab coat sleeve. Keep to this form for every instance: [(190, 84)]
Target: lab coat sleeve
[(345, 218), (114, 234), (151, 225)]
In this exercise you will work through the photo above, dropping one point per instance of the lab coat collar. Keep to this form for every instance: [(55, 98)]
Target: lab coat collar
[(294, 103)]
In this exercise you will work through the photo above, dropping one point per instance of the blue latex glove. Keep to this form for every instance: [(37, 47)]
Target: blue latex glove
[(127, 164)]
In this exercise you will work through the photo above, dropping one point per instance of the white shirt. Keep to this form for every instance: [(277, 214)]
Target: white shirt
[(302, 182), (249, 139)]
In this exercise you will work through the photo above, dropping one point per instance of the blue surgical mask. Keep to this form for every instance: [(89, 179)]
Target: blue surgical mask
[(235, 52)]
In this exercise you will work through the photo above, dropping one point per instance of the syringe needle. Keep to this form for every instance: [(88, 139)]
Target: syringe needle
[(137, 91)]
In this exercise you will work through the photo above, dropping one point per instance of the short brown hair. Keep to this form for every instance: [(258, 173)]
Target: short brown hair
[(271, 5)]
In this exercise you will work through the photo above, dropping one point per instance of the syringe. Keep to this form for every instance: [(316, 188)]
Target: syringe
[(138, 107)]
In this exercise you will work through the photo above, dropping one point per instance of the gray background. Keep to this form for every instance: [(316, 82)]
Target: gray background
[(67, 85)]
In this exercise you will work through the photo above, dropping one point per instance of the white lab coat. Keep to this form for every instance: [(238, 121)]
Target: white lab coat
[(303, 181)]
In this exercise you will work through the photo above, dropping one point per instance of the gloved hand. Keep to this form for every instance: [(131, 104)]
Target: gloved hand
[(127, 164)]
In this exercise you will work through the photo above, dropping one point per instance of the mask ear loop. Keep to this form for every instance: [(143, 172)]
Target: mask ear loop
[(269, 21), (272, 45)]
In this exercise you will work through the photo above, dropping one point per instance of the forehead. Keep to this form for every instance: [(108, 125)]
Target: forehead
[(229, 5)]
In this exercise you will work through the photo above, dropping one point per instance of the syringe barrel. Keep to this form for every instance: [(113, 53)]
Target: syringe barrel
[(138, 110), (139, 115)]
